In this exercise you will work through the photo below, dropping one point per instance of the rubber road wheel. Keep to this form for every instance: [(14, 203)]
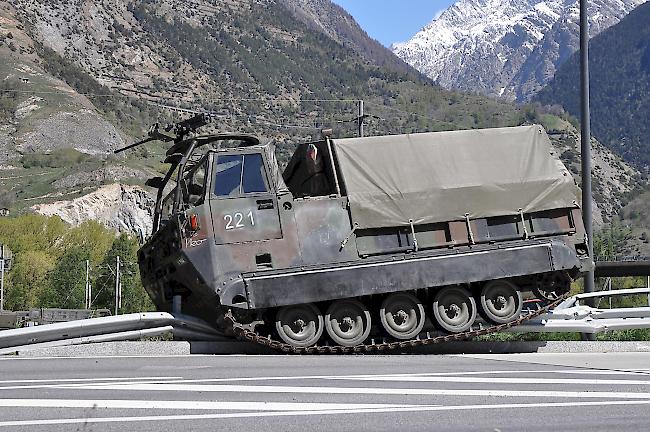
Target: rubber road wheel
[(402, 315), (500, 302), (454, 309), (551, 286), (347, 322), (299, 325)]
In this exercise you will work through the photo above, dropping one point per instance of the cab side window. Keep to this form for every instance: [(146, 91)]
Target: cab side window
[(228, 178), (239, 174), (196, 185), (253, 176)]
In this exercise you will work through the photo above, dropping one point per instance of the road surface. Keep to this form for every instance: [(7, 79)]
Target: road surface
[(514, 392)]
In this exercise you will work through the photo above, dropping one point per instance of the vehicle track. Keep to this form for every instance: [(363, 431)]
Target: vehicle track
[(246, 334)]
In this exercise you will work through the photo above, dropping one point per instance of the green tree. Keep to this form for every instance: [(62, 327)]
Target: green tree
[(68, 280), (33, 232), (134, 297), (611, 240), (93, 237), (28, 280)]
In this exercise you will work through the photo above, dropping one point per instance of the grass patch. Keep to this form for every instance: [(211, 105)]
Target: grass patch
[(60, 158), (528, 337)]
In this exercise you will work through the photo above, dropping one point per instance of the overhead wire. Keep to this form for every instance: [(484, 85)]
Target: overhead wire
[(211, 99), (407, 113), (151, 99)]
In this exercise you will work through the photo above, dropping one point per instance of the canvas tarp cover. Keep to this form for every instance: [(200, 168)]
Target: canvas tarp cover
[(441, 176)]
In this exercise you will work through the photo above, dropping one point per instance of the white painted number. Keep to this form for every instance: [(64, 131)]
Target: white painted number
[(238, 219), (228, 219)]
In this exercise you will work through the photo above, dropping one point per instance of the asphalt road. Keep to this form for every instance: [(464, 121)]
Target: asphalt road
[(520, 392)]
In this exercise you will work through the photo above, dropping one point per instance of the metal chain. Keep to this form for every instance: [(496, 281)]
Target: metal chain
[(248, 335)]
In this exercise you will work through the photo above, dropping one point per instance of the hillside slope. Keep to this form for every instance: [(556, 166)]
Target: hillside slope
[(52, 137), (620, 87), (332, 20), (253, 63)]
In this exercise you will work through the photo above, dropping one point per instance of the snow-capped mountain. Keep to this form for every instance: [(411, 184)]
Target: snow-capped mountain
[(507, 48)]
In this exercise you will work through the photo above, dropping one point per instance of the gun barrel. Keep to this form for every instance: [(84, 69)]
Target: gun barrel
[(130, 146)]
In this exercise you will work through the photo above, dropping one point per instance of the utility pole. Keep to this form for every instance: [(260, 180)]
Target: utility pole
[(2, 278), (360, 117), (87, 304), (585, 150), (118, 294), (585, 141)]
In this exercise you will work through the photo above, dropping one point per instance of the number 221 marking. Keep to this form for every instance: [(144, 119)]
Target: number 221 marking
[(238, 219)]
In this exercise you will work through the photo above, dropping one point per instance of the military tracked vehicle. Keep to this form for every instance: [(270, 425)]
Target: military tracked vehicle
[(362, 239)]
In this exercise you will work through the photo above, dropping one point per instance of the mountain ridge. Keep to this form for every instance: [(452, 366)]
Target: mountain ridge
[(504, 48)]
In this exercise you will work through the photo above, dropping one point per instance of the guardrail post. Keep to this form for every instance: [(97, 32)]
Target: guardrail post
[(176, 304)]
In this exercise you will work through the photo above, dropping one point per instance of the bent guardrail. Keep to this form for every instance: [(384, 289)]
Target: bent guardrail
[(111, 328), (572, 316)]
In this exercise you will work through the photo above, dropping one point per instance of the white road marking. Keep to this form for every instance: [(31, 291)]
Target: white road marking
[(378, 377), (454, 377), (191, 405), (61, 380), (352, 377), (518, 372), (495, 380), (423, 408), (74, 385), (355, 390)]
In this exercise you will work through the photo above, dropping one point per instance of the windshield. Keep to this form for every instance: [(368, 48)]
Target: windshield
[(239, 174)]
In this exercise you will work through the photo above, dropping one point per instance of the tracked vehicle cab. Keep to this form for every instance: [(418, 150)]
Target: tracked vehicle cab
[(223, 209), (219, 190), (227, 173)]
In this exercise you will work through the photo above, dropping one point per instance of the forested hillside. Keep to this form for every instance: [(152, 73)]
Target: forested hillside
[(620, 87)]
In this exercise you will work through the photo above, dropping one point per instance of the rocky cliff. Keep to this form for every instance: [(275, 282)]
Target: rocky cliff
[(121, 207)]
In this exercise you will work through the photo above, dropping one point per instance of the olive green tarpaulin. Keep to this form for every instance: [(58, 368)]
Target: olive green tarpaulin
[(441, 176)]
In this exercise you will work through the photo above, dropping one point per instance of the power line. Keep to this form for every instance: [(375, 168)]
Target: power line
[(161, 97), (40, 92), (256, 121), (209, 113), (424, 116), (265, 100)]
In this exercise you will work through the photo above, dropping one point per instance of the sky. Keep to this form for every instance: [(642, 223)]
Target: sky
[(391, 21)]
